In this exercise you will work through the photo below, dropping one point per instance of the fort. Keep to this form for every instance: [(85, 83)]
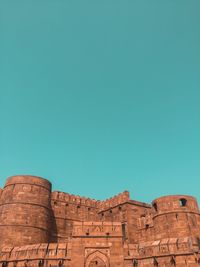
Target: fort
[(42, 228)]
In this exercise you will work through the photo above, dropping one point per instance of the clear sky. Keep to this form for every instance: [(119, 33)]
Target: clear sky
[(100, 96)]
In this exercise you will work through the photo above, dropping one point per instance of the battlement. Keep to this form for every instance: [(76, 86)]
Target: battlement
[(101, 205), (167, 246), (114, 201), (73, 199), (36, 252)]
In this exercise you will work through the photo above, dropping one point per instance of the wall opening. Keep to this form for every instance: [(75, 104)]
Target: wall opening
[(173, 261), (198, 242), (124, 231), (155, 262), (182, 202), (135, 263), (155, 207)]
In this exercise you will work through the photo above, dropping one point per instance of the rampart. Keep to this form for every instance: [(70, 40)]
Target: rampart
[(46, 229)]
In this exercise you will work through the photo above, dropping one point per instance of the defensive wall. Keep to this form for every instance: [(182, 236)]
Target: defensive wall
[(39, 227)]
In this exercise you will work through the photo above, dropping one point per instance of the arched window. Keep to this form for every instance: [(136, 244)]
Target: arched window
[(183, 202)]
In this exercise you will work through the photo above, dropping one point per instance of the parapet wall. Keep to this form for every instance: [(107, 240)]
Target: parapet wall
[(72, 199), (167, 246), (114, 201), (53, 253)]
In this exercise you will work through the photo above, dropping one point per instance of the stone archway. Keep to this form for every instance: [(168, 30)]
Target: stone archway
[(97, 259)]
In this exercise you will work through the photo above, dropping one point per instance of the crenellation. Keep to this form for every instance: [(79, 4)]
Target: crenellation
[(56, 229), (72, 199), (114, 201)]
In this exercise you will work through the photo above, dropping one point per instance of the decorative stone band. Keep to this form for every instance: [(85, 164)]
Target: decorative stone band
[(176, 211), (25, 203), (97, 229), (163, 247), (36, 252)]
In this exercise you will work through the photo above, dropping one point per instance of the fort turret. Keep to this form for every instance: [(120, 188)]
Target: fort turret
[(25, 211), (175, 216)]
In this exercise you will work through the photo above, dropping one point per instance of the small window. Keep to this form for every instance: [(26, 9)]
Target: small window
[(124, 231), (78, 207), (183, 202), (120, 208), (155, 207), (89, 209)]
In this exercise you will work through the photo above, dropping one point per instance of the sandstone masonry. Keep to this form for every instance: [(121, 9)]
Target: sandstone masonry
[(41, 228)]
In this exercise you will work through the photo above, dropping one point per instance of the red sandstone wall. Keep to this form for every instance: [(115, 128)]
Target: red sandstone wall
[(68, 209), (121, 209)]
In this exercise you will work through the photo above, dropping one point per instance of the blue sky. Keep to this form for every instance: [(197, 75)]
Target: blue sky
[(101, 96)]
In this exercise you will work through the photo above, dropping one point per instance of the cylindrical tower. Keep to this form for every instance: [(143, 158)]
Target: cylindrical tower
[(176, 216), (25, 215)]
